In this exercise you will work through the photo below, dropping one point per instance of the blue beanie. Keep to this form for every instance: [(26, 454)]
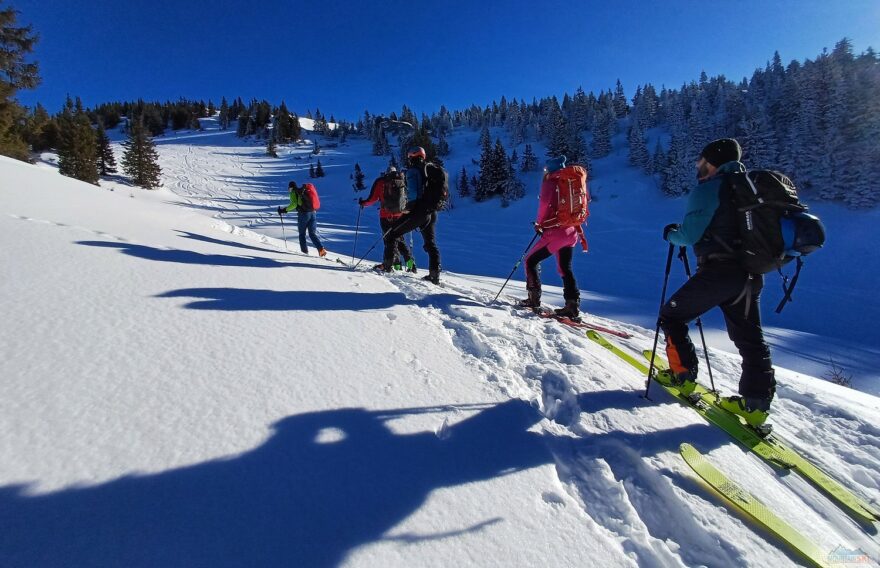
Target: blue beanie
[(554, 164)]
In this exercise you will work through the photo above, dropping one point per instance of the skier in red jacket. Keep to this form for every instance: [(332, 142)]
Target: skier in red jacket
[(389, 190)]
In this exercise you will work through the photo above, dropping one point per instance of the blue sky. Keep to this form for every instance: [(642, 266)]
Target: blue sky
[(348, 56)]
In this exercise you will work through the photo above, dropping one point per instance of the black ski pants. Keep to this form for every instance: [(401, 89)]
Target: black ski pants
[(400, 247), (723, 284), (426, 222), (564, 255)]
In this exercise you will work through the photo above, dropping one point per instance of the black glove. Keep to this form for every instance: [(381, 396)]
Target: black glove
[(669, 228), (361, 203), (538, 228), (281, 210)]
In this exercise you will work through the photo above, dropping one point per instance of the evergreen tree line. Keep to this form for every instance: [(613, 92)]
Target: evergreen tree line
[(816, 121), (84, 152)]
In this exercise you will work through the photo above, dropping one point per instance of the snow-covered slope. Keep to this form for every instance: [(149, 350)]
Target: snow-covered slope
[(177, 390)]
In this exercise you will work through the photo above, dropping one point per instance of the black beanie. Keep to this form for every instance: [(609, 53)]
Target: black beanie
[(722, 151)]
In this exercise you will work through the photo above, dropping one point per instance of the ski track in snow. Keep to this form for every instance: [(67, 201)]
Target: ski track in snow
[(632, 493)]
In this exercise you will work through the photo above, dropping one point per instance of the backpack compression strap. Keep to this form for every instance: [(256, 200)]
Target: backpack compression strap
[(788, 289)]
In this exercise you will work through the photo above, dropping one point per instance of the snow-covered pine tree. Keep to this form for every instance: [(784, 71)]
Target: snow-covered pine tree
[(106, 161), (140, 160), (486, 182), (658, 160), (638, 147), (602, 130), (464, 186), (758, 142), (557, 134), (500, 166), (620, 106), (576, 153), (77, 156), (511, 188), (678, 173), (529, 160), (319, 170), (442, 147)]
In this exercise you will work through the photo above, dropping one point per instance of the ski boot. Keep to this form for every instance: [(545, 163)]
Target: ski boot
[(381, 268), (411, 266), (322, 252), (753, 410), (396, 266), (533, 301), (432, 277), (682, 382), (570, 311)]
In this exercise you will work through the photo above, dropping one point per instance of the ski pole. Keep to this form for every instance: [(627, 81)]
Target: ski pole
[(282, 231), (657, 330), (357, 228), (382, 238), (682, 254), (515, 266)]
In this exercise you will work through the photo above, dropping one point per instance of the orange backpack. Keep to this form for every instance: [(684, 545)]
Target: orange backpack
[(573, 198)]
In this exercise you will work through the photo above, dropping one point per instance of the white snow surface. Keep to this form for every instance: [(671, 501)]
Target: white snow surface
[(178, 389)]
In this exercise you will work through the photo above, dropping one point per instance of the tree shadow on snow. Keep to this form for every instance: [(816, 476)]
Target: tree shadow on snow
[(323, 484)]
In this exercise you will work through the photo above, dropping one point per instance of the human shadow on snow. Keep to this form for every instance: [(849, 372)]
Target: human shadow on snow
[(322, 485), (212, 240), (186, 256), (300, 499), (241, 299), (191, 257)]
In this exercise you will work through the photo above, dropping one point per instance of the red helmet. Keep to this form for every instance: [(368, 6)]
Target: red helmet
[(417, 152)]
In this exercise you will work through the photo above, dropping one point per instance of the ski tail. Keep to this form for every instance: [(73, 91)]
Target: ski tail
[(744, 502)]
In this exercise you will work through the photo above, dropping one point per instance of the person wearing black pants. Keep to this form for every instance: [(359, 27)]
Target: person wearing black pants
[(422, 215), (424, 221), (570, 291), (711, 226), (726, 285)]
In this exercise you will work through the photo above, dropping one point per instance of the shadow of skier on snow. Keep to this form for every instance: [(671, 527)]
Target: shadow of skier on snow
[(323, 484), (242, 299)]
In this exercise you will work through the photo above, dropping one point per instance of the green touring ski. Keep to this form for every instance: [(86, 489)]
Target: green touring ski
[(746, 503), (769, 447)]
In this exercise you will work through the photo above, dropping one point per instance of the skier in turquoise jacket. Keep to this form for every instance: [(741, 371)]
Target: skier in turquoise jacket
[(710, 223)]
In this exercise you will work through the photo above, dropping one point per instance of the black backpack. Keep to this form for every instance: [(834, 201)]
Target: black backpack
[(774, 226), (436, 192), (394, 192)]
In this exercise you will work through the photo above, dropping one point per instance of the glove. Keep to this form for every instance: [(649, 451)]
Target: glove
[(361, 203), (538, 228), (670, 228), (281, 210)]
